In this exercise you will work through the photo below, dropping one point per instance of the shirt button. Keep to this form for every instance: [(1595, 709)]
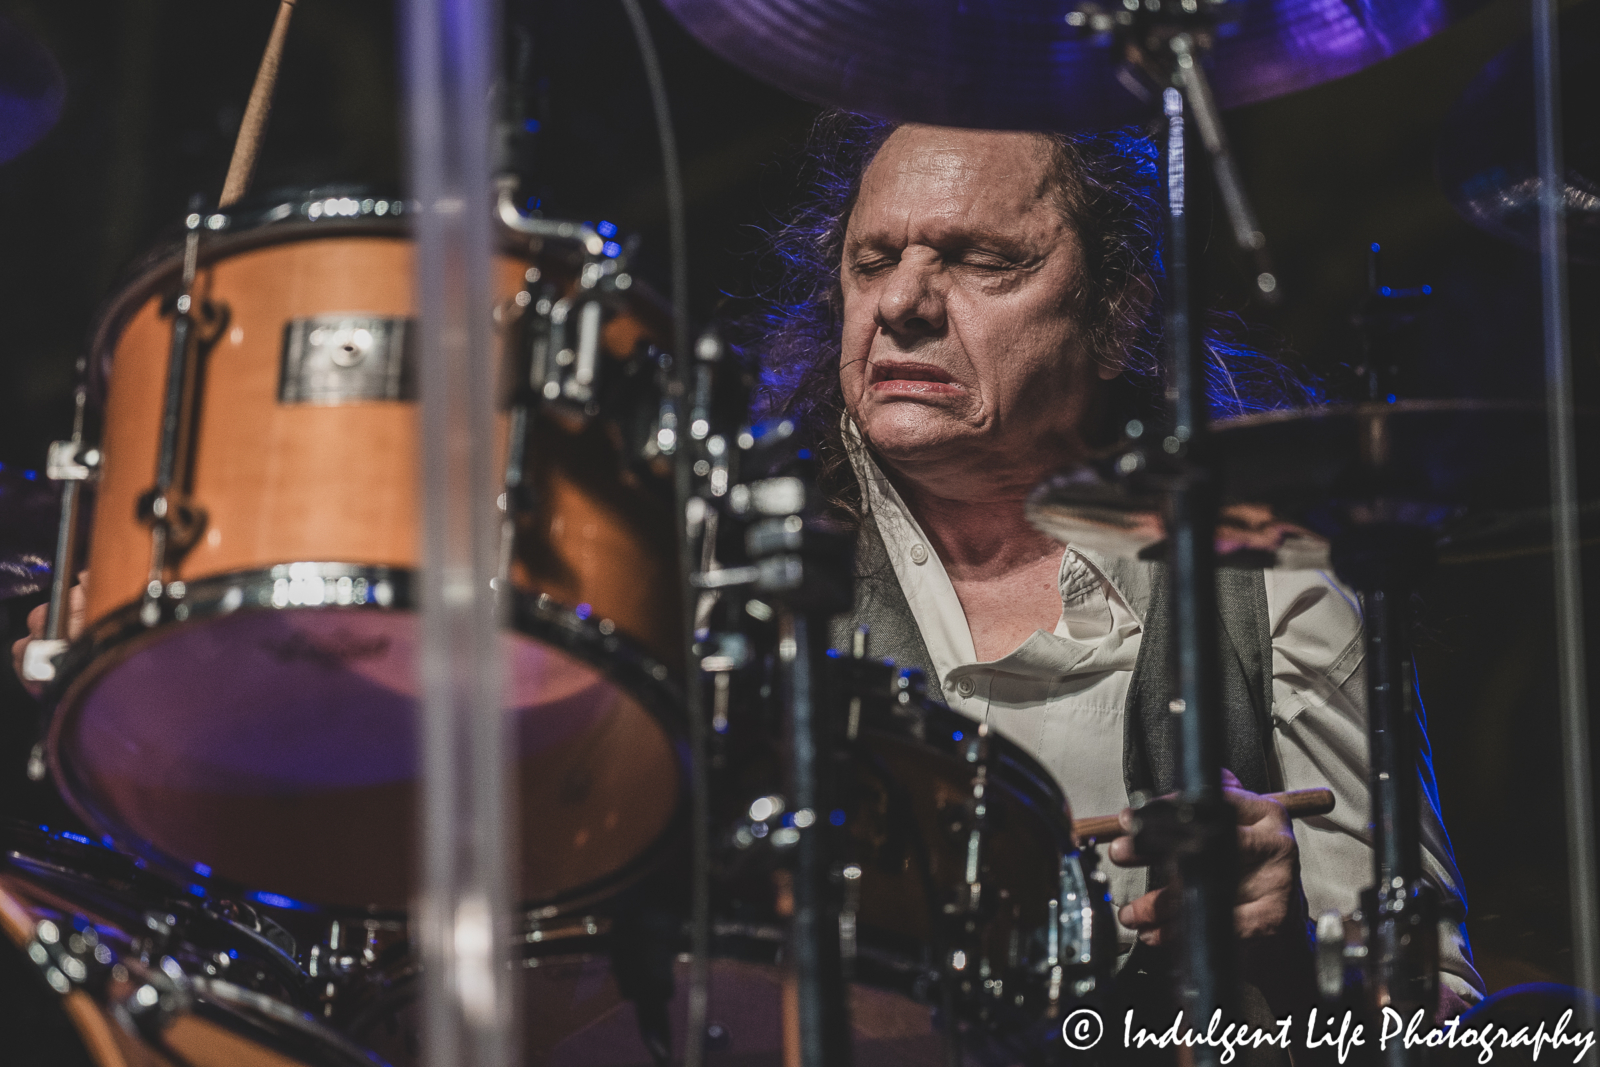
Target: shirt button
[(966, 687), (919, 554)]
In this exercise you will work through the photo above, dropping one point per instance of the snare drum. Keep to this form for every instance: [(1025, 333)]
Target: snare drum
[(261, 729)]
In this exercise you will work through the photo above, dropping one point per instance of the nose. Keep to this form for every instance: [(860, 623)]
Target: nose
[(911, 302)]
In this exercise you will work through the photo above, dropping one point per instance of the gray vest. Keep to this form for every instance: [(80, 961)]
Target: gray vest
[(1149, 748)]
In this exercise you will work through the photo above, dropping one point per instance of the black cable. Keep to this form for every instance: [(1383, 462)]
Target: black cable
[(682, 385), (672, 172)]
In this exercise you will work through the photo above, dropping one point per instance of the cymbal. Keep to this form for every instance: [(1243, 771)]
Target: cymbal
[(32, 90), (1020, 65), (29, 518), (23, 574), (1473, 471), (1486, 157)]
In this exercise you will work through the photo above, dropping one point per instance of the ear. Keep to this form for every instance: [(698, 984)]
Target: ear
[(1132, 304)]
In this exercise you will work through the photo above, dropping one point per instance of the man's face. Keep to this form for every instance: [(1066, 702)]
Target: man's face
[(960, 346)]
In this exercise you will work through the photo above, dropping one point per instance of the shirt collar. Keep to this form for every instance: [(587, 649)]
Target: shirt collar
[(1099, 593)]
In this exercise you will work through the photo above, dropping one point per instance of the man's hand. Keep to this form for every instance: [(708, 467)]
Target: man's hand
[(36, 621), (1255, 528), (1269, 900)]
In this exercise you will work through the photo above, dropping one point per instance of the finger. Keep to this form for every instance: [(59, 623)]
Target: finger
[(1261, 918), (1266, 864), (1122, 851), (36, 620), (1148, 912), (77, 604), (1252, 808), (1245, 516), (1262, 846)]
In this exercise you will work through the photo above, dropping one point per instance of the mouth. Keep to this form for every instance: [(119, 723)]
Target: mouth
[(904, 378)]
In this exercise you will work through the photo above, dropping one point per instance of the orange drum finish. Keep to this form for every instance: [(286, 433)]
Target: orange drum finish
[(596, 536), (278, 481), (262, 729)]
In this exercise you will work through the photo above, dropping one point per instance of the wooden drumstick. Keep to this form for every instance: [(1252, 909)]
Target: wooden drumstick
[(1299, 803), (254, 125)]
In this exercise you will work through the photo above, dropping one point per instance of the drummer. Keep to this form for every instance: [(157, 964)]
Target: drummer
[(967, 312)]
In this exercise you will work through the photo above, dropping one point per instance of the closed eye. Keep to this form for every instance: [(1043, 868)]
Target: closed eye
[(985, 259), (868, 265)]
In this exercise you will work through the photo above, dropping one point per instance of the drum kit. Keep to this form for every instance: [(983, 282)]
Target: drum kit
[(887, 879)]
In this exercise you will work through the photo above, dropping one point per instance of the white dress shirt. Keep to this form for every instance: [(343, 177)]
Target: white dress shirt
[(1061, 695)]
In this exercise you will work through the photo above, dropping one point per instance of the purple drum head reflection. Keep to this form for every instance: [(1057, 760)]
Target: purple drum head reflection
[(278, 749)]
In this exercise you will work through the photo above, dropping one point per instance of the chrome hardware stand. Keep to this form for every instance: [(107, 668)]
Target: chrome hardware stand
[(72, 464), (814, 934), (1386, 561), (1166, 42), (467, 832), (1205, 861), (561, 369), (806, 572)]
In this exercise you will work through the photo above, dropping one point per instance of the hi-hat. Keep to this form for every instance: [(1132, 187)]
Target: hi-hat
[(32, 90), (1020, 64), (1474, 472), (1486, 156)]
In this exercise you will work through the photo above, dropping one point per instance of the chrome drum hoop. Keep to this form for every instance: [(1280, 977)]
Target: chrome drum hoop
[(303, 585)]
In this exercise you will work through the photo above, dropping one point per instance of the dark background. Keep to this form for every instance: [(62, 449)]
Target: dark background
[(156, 89)]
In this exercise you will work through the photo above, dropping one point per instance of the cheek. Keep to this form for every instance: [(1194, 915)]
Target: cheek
[(1025, 352), (855, 343)]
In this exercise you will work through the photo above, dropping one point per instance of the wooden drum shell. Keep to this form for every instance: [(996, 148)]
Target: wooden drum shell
[(282, 482), (285, 482)]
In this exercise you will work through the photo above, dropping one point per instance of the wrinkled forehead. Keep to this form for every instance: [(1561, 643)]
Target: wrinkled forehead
[(982, 175)]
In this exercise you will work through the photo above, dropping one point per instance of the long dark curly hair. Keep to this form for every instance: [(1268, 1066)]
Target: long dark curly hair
[(1110, 191)]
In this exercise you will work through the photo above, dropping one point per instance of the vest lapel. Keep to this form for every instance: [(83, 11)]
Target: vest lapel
[(880, 605), (1150, 731)]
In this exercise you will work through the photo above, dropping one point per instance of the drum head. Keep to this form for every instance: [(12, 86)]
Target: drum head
[(277, 749)]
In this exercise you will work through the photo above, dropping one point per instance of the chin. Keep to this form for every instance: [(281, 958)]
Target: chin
[(909, 433)]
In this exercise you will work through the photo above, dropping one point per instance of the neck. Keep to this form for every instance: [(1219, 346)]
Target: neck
[(978, 531)]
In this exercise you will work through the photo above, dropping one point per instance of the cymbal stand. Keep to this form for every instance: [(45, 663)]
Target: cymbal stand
[(1166, 44), (1385, 559), (1385, 323), (1205, 861), (804, 571)]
